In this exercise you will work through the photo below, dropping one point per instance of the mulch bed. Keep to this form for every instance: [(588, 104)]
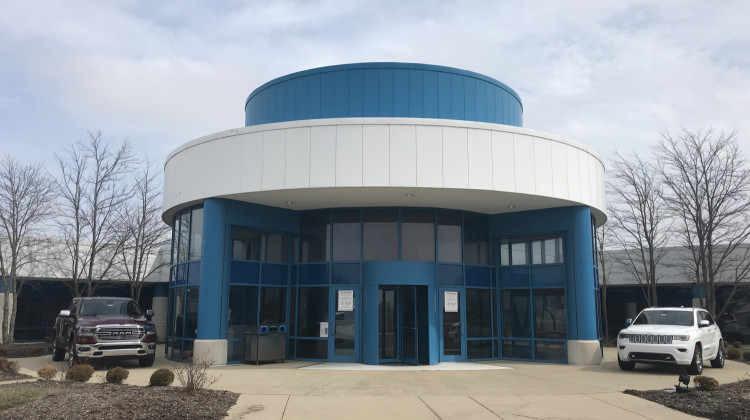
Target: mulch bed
[(74, 400), (730, 402)]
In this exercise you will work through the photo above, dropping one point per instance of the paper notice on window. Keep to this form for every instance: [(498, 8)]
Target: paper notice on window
[(450, 301), (323, 329), (346, 301)]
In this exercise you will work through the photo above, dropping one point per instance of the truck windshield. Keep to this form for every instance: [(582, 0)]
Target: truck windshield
[(682, 318), (110, 307)]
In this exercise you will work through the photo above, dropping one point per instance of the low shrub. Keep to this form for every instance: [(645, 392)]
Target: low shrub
[(737, 344), (79, 373), (161, 377), (193, 374), (746, 356), (10, 366), (47, 372), (116, 375), (706, 383), (733, 353), (3, 351)]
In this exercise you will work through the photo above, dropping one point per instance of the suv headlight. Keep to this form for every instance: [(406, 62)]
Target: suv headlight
[(623, 336), (681, 338)]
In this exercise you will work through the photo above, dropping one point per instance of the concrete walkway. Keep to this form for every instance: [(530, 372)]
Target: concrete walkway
[(484, 390)]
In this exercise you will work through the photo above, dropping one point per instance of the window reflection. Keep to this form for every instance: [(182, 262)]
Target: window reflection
[(346, 235), (380, 234), (449, 237), (418, 235)]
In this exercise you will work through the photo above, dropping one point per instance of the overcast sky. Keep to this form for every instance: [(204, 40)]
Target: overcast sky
[(610, 74)]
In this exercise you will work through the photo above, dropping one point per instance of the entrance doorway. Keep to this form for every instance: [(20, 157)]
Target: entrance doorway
[(402, 310)]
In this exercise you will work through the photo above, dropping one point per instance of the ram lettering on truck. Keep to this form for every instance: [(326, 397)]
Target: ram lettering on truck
[(99, 327)]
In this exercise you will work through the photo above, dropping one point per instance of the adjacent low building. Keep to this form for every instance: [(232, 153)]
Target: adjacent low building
[(385, 212)]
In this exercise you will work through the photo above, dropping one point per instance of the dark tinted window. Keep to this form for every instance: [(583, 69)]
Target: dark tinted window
[(418, 235), (315, 236), (449, 237), (380, 232), (665, 317), (346, 235)]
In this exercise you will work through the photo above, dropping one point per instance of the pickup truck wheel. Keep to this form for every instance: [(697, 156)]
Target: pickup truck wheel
[(625, 365), (72, 353), (718, 361), (696, 367), (147, 361)]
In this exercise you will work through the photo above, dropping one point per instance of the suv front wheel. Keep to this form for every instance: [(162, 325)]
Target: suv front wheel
[(625, 365), (696, 366)]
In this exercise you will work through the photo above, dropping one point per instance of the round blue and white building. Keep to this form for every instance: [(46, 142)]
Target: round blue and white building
[(385, 212)]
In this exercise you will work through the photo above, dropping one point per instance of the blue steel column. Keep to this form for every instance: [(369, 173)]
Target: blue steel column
[(369, 335), (581, 297), (212, 269)]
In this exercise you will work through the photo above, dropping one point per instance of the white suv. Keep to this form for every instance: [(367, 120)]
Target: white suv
[(682, 336)]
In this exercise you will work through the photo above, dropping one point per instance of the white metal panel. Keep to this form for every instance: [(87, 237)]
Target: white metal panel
[(274, 159), (429, 156), (322, 156), (403, 155), (230, 165), (574, 174), (559, 170), (375, 155), (593, 175), (543, 166), (503, 161), (583, 161), (480, 159), (297, 158), (348, 155), (455, 158), (252, 161), (523, 151), (602, 203)]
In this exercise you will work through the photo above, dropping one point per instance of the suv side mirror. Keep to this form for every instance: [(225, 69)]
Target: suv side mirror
[(64, 312), (704, 323), (628, 321)]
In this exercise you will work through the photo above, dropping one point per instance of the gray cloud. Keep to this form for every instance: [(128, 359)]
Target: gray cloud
[(612, 75)]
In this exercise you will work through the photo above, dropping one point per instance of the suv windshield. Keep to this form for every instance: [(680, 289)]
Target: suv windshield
[(682, 318), (110, 307)]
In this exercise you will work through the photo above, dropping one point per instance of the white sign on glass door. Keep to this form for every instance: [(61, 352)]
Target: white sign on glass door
[(450, 300), (346, 300)]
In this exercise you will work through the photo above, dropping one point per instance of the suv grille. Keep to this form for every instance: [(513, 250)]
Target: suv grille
[(650, 339), (120, 333)]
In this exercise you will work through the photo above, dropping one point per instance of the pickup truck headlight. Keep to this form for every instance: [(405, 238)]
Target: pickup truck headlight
[(681, 338), (150, 328), (86, 330)]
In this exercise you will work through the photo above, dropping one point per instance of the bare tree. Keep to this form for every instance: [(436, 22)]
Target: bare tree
[(92, 188), (26, 198), (708, 190), (143, 230), (604, 240), (640, 219)]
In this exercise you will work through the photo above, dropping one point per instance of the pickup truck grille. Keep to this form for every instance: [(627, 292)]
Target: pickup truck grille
[(120, 333), (650, 338)]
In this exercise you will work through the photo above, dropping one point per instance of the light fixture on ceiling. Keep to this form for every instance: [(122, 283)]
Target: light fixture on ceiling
[(408, 195), (511, 207), (290, 202)]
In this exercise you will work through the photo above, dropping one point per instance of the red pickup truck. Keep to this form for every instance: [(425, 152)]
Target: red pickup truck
[(99, 327)]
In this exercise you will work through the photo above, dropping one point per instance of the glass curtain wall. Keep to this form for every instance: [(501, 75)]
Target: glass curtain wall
[(184, 278)]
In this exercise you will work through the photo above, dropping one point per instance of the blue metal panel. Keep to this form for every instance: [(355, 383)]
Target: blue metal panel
[(213, 282), (416, 93), (313, 97), (478, 276), (399, 272), (514, 277), (313, 274), (337, 91), (450, 275), (458, 109), (385, 85), (244, 272), (548, 276), (430, 94), (470, 99), (289, 100), (345, 273), (499, 114), (445, 101), (274, 274), (370, 92), (582, 280), (481, 101), (356, 93), (401, 92), (507, 112)]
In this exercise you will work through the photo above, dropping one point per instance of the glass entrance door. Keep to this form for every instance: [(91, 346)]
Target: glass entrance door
[(452, 315), (397, 325), (343, 332)]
